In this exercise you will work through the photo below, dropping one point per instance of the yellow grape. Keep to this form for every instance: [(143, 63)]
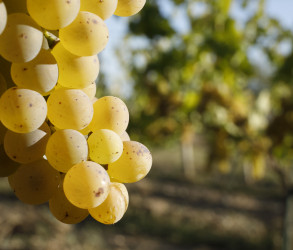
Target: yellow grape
[(103, 9), (75, 71), (3, 84), (87, 35), (35, 183), (133, 165), (65, 211), (7, 166), (124, 136), (65, 148), (86, 184), (114, 207), (53, 14), (27, 147), (129, 7), (90, 90), (3, 16), (21, 40), (69, 109), (40, 74), (105, 146), (110, 113), (22, 110)]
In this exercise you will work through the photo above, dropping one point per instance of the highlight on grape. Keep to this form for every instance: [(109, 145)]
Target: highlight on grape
[(59, 144)]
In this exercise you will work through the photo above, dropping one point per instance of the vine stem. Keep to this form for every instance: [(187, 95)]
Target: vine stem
[(51, 39)]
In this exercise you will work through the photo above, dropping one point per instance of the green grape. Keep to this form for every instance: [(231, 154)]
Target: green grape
[(105, 146), (40, 74), (103, 9), (69, 109), (75, 71), (114, 207), (133, 165), (21, 40), (65, 211), (3, 16), (3, 84), (53, 14), (86, 184), (7, 166), (35, 183), (87, 35), (129, 7), (65, 148), (124, 136), (27, 147), (110, 113), (22, 110)]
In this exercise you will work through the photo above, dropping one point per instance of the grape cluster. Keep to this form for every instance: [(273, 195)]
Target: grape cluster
[(59, 143)]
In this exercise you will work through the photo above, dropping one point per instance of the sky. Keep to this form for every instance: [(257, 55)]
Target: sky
[(280, 9)]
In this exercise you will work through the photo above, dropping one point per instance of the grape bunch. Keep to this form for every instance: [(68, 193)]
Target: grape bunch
[(59, 143)]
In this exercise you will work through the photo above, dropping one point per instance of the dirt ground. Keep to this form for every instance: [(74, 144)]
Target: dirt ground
[(166, 212)]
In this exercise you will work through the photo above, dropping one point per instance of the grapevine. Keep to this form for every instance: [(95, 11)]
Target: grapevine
[(59, 143)]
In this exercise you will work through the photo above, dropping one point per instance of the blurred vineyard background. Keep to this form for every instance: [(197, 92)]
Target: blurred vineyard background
[(211, 94)]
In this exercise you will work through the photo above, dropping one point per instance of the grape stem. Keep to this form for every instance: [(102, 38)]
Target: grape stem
[(52, 39)]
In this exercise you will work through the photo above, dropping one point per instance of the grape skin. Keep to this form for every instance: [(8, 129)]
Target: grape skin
[(87, 35), (127, 8), (86, 184), (21, 40), (133, 165), (22, 110)]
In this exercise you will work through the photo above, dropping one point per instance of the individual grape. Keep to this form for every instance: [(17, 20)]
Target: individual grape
[(21, 40), (129, 7), (105, 146), (75, 71), (27, 147), (133, 165), (40, 74), (86, 184), (22, 110), (35, 183), (3, 16), (103, 9), (3, 84), (53, 14), (124, 136), (65, 148), (87, 35), (114, 207), (110, 113), (7, 166), (65, 211), (69, 109)]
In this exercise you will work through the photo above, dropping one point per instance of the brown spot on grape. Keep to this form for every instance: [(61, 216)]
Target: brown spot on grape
[(14, 157), (30, 104), (60, 102), (24, 69), (94, 21), (19, 95), (99, 192)]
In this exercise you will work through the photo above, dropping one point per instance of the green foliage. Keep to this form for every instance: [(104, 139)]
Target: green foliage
[(206, 78)]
